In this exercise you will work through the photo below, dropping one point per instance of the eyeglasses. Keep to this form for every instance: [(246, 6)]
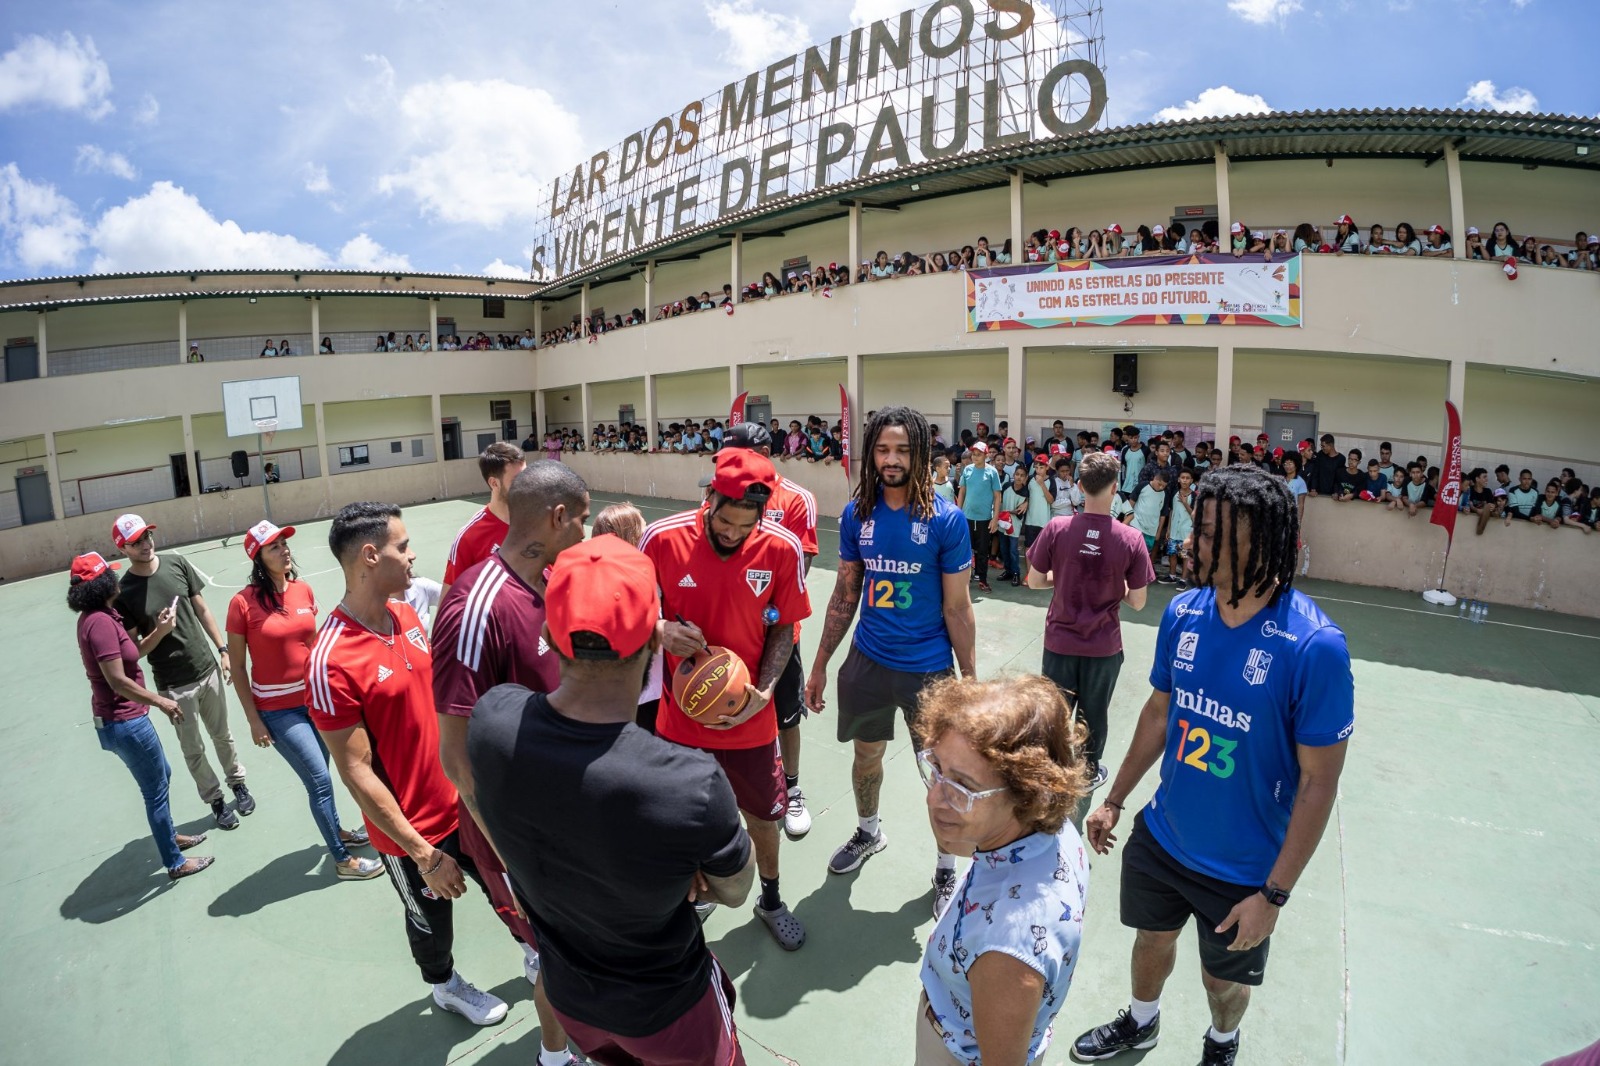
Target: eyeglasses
[(957, 797)]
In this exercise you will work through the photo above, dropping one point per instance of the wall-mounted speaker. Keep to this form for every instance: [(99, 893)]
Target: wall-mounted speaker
[(241, 463), (1125, 373)]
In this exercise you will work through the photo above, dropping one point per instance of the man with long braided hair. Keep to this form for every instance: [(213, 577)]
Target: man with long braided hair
[(1250, 713), (907, 548)]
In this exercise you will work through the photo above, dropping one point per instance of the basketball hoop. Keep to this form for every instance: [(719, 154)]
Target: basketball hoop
[(267, 428)]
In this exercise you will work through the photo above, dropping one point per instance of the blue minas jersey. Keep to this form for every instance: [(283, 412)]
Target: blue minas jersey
[(904, 559), (1241, 700)]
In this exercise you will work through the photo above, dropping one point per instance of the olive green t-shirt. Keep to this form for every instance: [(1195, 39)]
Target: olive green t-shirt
[(185, 655)]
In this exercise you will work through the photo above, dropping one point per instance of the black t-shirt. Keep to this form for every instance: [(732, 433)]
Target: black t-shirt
[(602, 827), (1322, 473), (1349, 483)]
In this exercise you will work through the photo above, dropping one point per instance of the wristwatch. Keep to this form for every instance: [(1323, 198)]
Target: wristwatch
[(1275, 895)]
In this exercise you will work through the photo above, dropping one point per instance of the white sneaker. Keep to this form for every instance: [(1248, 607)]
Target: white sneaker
[(530, 967), (472, 1003), (797, 820)]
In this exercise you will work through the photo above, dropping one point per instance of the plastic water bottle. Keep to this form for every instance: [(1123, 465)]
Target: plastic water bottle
[(1461, 607), (1483, 612)]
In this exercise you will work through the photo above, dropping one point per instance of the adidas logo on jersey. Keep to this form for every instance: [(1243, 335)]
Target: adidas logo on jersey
[(687, 582), (383, 673)]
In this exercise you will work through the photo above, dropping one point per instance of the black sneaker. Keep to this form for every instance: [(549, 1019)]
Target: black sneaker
[(944, 890), (1099, 777), (1115, 1037), (857, 850), (1214, 1054), (226, 819), (243, 802), (1166, 579)]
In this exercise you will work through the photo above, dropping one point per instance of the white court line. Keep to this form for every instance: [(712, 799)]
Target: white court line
[(1436, 614), (1520, 934)]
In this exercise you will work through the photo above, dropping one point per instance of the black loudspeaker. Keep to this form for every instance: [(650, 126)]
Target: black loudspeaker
[(241, 463), (1125, 373), (508, 429)]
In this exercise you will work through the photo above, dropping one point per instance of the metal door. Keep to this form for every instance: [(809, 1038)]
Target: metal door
[(452, 439), (758, 412), (1286, 429), (33, 498), (180, 474), (968, 413), (22, 361)]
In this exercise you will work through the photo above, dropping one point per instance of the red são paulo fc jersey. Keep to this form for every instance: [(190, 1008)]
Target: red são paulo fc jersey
[(795, 509), (279, 643), (488, 633), (476, 542), (726, 598), (386, 684)]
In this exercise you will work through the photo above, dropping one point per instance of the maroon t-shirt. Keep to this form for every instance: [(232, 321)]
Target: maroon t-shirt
[(487, 634), (1092, 557), (101, 637)]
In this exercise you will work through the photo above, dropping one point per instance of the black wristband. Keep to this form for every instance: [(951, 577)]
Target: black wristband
[(1114, 803)]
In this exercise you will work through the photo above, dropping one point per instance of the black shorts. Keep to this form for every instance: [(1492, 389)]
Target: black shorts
[(788, 695), (869, 693), (1160, 894)]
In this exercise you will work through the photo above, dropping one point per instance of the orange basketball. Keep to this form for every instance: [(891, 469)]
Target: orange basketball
[(711, 682)]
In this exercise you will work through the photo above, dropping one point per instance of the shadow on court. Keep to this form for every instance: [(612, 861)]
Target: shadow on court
[(416, 1033), (124, 881), (843, 944), (283, 878)]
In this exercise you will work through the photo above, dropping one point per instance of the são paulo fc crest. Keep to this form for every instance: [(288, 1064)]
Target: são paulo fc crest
[(1256, 666), (758, 580), (414, 635), (919, 532), (775, 514)]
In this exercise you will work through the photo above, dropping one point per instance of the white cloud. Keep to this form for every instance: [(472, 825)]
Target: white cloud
[(92, 159), (1520, 4), (317, 178), (1264, 12), (363, 253), (756, 37), (1483, 94), (148, 112), (866, 12), (40, 228), (1214, 102), (168, 229), (502, 269), (478, 151), (66, 73)]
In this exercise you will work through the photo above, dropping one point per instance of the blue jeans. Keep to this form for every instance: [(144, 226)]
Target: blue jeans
[(298, 741), (136, 744), (1008, 554)]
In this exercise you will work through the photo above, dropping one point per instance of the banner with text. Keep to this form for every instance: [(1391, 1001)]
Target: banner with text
[(1194, 290)]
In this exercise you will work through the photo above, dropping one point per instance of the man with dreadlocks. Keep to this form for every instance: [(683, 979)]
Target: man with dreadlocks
[(1250, 713), (908, 549)]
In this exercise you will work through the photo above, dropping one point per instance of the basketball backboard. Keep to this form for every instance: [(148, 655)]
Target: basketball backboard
[(250, 405)]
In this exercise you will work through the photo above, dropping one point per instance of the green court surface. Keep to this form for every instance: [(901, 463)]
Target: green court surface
[(1451, 914)]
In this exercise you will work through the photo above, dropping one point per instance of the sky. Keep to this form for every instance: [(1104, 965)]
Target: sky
[(414, 134)]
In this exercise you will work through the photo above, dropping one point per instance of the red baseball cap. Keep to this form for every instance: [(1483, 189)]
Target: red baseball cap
[(1262, 436), (1344, 220), (607, 587), (744, 474), (1277, 453), (1307, 443), (89, 566), (1109, 448), (1040, 458), (128, 528), (1233, 440), (263, 533)]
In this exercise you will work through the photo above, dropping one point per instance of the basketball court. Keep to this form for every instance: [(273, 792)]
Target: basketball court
[(1449, 916)]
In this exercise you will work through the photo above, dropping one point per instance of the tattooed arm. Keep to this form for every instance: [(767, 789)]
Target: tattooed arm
[(841, 612)]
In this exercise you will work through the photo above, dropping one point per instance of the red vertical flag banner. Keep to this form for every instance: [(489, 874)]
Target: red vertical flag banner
[(736, 413), (844, 428), (1447, 504)]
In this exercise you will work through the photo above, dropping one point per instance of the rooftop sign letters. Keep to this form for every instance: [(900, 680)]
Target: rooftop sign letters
[(952, 78)]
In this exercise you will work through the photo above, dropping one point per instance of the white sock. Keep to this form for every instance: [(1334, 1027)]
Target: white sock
[(554, 1058), (946, 861), (869, 825), (1223, 1038), (449, 984), (527, 950), (1144, 1012)]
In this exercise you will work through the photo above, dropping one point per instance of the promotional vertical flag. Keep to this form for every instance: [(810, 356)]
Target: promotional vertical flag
[(736, 413), (844, 429), (1447, 504)]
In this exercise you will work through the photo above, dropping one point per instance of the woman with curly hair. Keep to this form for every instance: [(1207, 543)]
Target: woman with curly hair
[(1003, 762)]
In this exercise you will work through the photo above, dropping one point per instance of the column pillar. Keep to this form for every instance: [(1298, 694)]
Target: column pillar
[(650, 412), (183, 331), (316, 326), (1224, 414), (650, 293), (1016, 217), (188, 456), (583, 308), (438, 438), (855, 388), (855, 239), (735, 382), (323, 463), (1224, 205), (736, 250), (1458, 208), (433, 323), (53, 467), (44, 347), (1016, 390), (584, 396), (1458, 384), (539, 413)]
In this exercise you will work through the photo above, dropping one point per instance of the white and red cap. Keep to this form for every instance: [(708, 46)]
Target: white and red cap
[(263, 533), (128, 528), (1472, 231), (979, 447), (1594, 238), (1237, 227), (1158, 231), (1344, 220), (1114, 228), (89, 566), (1436, 228)]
